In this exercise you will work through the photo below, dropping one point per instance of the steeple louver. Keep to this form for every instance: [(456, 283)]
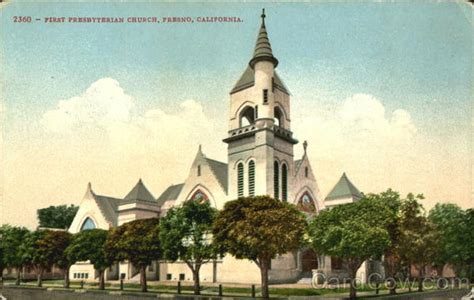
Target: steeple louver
[(263, 49)]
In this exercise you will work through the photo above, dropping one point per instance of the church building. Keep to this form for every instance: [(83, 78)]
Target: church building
[(260, 161)]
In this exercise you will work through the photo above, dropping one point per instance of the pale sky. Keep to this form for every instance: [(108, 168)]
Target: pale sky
[(381, 91)]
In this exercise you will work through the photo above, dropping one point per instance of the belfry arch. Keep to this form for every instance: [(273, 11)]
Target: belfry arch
[(247, 116)]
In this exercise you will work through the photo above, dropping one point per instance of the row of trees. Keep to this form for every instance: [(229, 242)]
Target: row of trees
[(399, 231), (259, 229)]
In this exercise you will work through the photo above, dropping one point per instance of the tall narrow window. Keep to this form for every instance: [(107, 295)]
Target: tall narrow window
[(265, 96), (306, 172), (276, 180), (284, 182), (199, 170), (256, 112), (252, 178), (240, 180)]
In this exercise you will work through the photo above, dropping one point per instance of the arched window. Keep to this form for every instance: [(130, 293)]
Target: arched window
[(199, 196), (284, 182), (306, 203), (276, 180), (240, 180), (88, 224), (251, 178), (278, 116), (247, 116)]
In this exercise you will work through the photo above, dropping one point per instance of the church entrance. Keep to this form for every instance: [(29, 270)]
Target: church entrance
[(309, 261)]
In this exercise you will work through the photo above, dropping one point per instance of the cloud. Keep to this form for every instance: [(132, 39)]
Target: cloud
[(360, 137), (100, 136), (103, 104)]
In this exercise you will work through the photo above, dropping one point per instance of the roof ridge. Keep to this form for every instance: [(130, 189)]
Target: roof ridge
[(216, 175), (107, 217), (140, 192), (343, 188)]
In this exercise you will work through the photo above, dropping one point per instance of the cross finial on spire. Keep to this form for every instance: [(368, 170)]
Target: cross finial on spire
[(305, 145), (263, 16)]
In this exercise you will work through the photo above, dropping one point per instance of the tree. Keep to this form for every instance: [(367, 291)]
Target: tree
[(418, 237), (90, 245), (2, 263), (469, 219), (354, 232), (52, 247), (185, 235), (454, 249), (391, 259), (60, 216), (33, 255), (12, 238), (136, 241), (259, 228)]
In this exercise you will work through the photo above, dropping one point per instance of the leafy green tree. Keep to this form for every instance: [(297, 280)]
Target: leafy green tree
[(391, 260), (2, 263), (454, 249), (354, 232), (185, 234), (52, 249), (470, 237), (32, 254), (137, 242), (418, 237), (60, 216), (12, 238), (259, 228), (89, 245)]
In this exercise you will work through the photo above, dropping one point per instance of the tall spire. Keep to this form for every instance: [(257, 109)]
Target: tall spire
[(263, 49)]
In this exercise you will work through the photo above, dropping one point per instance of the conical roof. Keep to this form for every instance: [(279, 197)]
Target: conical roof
[(263, 49), (344, 188), (139, 192)]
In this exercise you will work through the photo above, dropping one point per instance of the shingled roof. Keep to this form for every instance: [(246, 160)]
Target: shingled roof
[(171, 193), (263, 49), (344, 188), (248, 80), (139, 192), (220, 171), (108, 206)]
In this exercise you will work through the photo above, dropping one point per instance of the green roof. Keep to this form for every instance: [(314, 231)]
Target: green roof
[(343, 189), (171, 193), (248, 80), (139, 192)]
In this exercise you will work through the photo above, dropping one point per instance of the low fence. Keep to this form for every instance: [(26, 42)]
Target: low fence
[(35, 293)]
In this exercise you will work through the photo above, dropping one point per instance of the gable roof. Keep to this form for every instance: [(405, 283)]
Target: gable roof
[(171, 193), (139, 192), (298, 164), (248, 79), (344, 188), (108, 206), (220, 171)]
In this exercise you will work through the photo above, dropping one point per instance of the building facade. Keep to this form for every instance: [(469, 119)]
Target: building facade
[(260, 161)]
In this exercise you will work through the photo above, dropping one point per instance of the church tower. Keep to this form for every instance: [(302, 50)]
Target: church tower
[(260, 141)]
